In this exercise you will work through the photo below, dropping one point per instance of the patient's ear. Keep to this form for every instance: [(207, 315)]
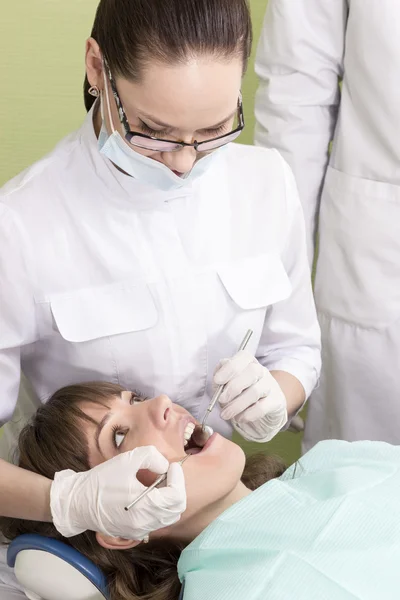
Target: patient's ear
[(115, 543)]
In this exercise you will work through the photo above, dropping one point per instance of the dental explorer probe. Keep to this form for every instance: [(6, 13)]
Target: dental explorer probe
[(157, 482), (221, 388)]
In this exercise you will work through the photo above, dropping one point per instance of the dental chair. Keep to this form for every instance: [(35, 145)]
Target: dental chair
[(48, 569)]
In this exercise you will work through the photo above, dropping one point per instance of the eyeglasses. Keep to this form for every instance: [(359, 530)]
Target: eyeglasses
[(147, 142)]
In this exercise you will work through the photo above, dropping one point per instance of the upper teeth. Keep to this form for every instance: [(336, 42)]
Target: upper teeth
[(187, 434)]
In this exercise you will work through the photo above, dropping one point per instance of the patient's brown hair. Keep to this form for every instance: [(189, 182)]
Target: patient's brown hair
[(54, 441)]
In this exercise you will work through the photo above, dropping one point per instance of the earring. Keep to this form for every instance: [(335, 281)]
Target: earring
[(146, 539), (94, 91)]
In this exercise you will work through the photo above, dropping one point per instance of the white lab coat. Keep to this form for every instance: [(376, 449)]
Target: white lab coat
[(104, 278), (306, 47)]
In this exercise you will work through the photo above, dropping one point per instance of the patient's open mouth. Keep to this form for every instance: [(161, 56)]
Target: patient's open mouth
[(194, 438), (191, 447)]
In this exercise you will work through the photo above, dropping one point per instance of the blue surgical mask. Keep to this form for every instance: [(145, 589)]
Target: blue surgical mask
[(145, 169)]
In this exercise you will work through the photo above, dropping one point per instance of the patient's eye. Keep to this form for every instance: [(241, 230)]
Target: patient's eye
[(137, 397), (118, 436)]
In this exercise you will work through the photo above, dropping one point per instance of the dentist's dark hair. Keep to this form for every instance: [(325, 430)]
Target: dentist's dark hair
[(132, 33)]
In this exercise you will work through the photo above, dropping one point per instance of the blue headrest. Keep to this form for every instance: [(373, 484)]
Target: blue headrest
[(70, 555)]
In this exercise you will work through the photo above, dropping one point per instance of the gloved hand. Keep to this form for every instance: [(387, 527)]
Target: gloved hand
[(252, 398), (95, 499)]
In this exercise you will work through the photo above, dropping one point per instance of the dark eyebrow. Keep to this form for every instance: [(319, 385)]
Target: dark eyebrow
[(99, 429), (161, 124)]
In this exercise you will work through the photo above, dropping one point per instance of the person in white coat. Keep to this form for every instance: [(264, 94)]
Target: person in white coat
[(307, 47), (144, 246)]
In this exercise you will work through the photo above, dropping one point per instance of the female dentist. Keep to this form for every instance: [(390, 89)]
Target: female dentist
[(143, 247)]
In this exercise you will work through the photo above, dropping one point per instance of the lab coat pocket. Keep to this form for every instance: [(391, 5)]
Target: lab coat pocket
[(358, 270), (256, 282), (104, 311)]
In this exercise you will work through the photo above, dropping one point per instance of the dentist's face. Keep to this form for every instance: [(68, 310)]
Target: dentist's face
[(129, 422), (181, 102)]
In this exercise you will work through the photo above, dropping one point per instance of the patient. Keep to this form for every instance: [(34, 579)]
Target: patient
[(329, 527), (64, 434)]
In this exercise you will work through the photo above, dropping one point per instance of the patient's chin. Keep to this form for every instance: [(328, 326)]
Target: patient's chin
[(233, 455), (234, 461)]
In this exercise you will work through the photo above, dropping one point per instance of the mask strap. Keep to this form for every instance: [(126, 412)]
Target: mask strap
[(108, 102), (102, 107)]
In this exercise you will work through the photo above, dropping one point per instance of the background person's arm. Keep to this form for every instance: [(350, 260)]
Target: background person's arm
[(300, 62)]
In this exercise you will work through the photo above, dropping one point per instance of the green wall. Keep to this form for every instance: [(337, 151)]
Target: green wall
[(41, 73)]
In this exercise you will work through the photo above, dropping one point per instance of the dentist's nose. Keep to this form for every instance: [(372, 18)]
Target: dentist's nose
[(181, 161)]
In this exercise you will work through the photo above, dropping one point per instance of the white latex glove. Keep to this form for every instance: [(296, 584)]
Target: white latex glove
[(252, 399), (95, 499)]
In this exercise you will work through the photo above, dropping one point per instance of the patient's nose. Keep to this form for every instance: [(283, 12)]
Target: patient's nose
[(160, 410)]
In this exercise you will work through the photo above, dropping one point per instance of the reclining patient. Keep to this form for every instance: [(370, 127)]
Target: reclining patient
[(328, 527)]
